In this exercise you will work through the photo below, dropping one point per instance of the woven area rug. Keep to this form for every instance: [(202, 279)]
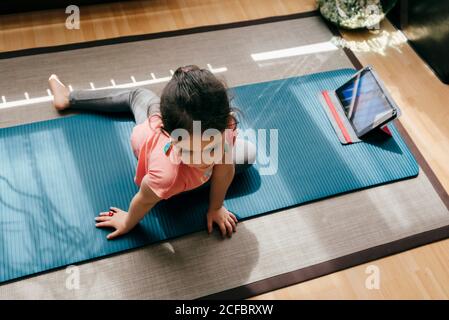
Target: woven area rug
[(267, 252)]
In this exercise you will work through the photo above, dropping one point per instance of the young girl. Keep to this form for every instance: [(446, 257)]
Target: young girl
[(166, 165)]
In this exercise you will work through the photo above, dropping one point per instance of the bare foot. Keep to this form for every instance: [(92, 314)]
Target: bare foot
[(60, 93)]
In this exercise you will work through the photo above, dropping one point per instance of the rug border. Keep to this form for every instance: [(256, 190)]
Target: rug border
[(310, 272), (149, 36)]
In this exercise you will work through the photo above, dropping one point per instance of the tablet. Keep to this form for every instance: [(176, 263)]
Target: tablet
[(366, 102)]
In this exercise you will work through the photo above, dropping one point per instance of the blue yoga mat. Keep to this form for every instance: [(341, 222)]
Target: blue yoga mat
[(57, 175)]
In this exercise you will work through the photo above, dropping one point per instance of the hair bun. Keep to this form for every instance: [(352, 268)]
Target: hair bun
[(186, 69)]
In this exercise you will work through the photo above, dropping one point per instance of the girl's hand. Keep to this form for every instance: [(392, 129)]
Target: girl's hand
[(225, 220), (115, 218)]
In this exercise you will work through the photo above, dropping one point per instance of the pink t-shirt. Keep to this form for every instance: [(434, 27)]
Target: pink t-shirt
[(167, 175)]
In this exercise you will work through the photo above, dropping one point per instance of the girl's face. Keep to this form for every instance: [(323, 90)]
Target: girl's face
[(200, 152)]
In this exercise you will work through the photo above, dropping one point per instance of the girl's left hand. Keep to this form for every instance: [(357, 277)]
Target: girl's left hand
[(115, 218), (226, 221)]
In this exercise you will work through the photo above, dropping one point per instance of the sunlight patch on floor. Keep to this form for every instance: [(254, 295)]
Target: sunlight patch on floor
[(379, 43)]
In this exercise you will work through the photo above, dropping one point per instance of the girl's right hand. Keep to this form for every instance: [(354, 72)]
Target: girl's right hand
[(115, 218)]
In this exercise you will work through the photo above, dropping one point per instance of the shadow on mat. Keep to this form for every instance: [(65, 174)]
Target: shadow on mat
[(382, 140), (244, 183), (31, 220)]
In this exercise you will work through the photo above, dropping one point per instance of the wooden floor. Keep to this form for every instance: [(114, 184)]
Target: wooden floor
[(422, 273)]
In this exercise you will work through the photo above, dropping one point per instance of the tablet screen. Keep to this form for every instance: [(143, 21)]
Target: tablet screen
[(365, 97)]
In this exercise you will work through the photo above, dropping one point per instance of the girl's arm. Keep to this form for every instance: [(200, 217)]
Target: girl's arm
[(123, 221), (222, 176)]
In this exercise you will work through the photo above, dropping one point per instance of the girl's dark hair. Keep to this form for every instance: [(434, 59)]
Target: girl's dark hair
[(195, 94)]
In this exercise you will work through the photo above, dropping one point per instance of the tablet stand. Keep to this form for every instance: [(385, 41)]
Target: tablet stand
[(339, 120)]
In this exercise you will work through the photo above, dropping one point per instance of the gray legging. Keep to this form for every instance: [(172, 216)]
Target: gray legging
[(142, 103)]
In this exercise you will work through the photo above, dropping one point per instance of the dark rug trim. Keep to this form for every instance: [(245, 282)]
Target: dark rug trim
[(163, 34)]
